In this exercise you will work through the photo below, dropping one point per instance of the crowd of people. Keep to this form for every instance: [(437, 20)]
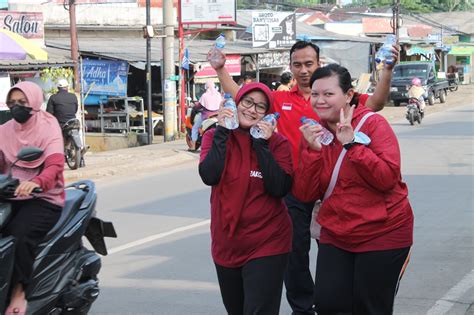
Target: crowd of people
[(266, 191)]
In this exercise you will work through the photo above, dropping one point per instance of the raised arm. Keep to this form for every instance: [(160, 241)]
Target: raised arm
[(382, 90), (228, 84)]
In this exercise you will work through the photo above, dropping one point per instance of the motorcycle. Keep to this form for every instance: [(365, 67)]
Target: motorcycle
[(72, 143), (453, 81), (64, 278), (207, 124), (414, 112)]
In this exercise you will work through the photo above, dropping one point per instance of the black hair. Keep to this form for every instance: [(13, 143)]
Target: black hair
[(345, 80), (301, 44), (286, 77)]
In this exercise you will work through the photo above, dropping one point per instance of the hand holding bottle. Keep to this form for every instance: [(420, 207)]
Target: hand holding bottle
[(312, 133)]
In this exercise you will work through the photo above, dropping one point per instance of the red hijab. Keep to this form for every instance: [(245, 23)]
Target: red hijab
[(41, 130)]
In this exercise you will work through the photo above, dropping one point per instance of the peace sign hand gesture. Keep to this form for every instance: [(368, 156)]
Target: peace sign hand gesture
[(344, 131)]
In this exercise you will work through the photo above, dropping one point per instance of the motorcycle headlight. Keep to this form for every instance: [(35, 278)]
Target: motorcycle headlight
[(394, 89)]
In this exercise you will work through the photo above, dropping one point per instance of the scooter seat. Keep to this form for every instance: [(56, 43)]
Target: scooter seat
[(74, 198)]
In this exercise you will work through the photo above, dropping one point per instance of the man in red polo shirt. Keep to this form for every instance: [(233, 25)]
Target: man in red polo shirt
[(292, 105)]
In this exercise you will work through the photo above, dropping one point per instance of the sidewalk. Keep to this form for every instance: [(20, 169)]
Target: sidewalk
[(143, 159)]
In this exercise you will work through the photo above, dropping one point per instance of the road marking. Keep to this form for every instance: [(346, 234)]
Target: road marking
[(443, 305), (155, 237)]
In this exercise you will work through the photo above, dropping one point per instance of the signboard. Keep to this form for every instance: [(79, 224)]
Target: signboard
[(105, 77), (450, 40), (232, 65), (273, 29), (4, 88), (208, 11), (27, 24), (274, 59)]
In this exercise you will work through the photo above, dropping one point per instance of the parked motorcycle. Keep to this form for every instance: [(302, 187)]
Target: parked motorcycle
[(453, 81), (64, 278), (72, 143), (207, 124), (414, 112)]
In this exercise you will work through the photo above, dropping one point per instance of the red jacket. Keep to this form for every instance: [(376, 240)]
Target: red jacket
[(369, 201)]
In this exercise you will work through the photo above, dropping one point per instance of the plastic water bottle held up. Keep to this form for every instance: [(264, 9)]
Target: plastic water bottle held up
[(385, 52), (327, 136), (256, 132), (231, 122), (219, 45)]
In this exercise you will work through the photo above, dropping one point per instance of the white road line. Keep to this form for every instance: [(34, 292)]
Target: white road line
[(152, 238), (443, 305)]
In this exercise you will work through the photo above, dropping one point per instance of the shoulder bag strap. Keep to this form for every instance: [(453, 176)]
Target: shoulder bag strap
[(335, 172)]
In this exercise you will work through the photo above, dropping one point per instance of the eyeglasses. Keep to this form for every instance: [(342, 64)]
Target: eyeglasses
[(10, 103), (260, 108)]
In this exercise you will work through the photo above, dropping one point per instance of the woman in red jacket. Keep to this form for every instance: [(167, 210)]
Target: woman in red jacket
[(367, 220), (250, 225), (33, 216)]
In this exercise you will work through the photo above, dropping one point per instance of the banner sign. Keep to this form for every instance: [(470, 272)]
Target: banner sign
[(105, 77), (273, 29), (274, 59), (208, 11), (232, 65), (27, 24)]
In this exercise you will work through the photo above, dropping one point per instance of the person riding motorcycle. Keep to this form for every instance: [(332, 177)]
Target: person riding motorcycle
[(210, 102), (417, 92), (63, 105), (33, 217)]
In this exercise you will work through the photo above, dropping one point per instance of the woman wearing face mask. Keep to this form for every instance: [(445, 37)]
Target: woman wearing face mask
[(250, 225), (33, 216), (365, 216)]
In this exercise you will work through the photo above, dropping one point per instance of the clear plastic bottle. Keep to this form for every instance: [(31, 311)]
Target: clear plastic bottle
[(385, 52), (327, 136), (256, 132), (219, 45), (231, 122)]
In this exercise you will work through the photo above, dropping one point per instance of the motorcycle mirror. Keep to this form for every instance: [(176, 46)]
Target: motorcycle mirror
[(29, 154)]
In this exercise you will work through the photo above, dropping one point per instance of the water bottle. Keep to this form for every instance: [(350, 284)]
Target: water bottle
[(385, 52), (231, 122), (256, 132), (327, 136), (219, 45)]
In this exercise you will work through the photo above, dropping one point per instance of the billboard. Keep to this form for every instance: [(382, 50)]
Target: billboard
[(208, 11), (105, 77), (273, 29), (27, 24), (232, 65)]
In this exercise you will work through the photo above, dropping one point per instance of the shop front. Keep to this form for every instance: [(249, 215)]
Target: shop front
[(462, 57)]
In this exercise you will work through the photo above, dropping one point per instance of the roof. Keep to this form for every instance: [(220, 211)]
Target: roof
[(56, 57), (420, 30), (461, 21), (317, 18), (377, 25)]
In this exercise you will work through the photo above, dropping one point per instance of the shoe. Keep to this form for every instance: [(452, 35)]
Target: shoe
[(192, 146)]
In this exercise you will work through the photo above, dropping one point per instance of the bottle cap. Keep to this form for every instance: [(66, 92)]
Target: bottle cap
[(227, 96), (302, 119), (276, 114)]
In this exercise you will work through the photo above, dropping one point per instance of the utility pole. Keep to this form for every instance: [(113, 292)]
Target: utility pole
[(74, 46), (169, 71), (149, 34), (396, 18)]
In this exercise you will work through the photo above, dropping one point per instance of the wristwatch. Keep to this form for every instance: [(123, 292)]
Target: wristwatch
[(359, 138)]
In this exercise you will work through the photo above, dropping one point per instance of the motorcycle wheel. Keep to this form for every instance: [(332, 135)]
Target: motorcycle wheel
[(418, 118), (72, 154), (453, 87), (81, 311), (410, 117)]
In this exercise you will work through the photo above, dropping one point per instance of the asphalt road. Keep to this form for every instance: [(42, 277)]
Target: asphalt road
[(161, 264)]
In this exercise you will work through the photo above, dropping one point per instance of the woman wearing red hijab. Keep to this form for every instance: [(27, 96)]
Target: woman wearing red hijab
[(34, 216), (250, 226)]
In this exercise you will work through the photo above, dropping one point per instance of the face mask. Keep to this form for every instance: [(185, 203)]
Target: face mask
[(20, 113)]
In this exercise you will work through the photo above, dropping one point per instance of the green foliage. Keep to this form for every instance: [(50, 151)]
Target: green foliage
[(423, 5), (53, 75)]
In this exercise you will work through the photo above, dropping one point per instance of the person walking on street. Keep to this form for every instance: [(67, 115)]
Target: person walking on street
[(292, 105), (250, 225), (365, 216), (63, 105), (287, 82)]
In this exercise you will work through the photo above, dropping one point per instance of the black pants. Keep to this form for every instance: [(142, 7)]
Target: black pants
[(254, 288), (31, 221), (357, 283), (298, 279)]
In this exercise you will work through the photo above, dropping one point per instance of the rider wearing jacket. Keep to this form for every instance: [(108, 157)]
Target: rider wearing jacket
[(33, 216), (62, 105)]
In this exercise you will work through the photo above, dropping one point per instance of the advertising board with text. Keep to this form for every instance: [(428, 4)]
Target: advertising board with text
[(104, 77), (210, 11), (27, 24), (232, 65), (273, 29)]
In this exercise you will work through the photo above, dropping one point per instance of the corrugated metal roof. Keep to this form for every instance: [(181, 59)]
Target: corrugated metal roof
[(56, 57)]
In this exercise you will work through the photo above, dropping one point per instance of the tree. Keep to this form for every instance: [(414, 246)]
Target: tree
[(423, 5)]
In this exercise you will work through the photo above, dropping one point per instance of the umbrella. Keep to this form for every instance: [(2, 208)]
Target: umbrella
[(16, 47)]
